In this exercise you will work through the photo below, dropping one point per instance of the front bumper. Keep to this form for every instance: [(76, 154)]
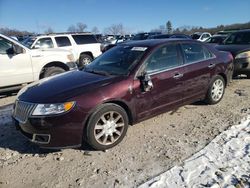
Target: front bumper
[(242, 66), (62, 131)]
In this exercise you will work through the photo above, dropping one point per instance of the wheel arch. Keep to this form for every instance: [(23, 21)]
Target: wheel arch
[(53, 64), (87, 53)]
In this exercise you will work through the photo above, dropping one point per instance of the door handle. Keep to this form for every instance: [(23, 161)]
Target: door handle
[(178, 75), (212, 65)]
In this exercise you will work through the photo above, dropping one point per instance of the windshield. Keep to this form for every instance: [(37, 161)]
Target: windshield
[(196, 36), (28, 41), (238, 38), (117, 61)]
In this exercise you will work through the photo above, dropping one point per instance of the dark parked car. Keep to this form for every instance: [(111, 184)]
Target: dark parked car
[(128, 84), (144, 36), (216, 39), (165, 36), (238, 43)]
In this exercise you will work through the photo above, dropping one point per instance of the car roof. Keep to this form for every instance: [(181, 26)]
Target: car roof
[(243, 31), (154, 42)]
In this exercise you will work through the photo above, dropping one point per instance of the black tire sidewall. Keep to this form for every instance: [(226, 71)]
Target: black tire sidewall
[(90, 138), (209, 98), (52, 70)]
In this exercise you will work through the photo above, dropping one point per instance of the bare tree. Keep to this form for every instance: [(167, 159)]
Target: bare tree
[(81, 27), (115, 29), (49, 30), (71, 28), (14, 32), (95, 30)]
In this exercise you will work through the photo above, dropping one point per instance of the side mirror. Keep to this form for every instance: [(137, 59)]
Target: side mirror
[(17, 49), (146, 82)]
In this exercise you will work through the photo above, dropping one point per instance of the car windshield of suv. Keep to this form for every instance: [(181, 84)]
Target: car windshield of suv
[(238, 38), (117, 61), (28, 41)]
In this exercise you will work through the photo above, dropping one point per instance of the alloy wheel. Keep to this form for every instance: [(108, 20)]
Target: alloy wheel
[(217, 90), (109, 128)]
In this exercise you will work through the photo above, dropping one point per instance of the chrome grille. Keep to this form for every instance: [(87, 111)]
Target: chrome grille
[(22, 111)]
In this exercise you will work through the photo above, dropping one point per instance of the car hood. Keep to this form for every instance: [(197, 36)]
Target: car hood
[(233, 48), (62, 87)]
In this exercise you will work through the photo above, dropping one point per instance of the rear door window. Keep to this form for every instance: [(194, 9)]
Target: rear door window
[(84, 39), (62, 41), (195, 52)]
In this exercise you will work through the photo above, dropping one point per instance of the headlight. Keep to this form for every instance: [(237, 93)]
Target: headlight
[(71, 57), (243, 55), (52, 109)]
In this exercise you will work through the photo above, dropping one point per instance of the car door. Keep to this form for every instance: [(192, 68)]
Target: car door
[(14, 68), (164, 68), (199, 67)]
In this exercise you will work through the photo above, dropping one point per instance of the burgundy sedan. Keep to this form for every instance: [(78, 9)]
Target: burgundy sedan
[(126, 85)]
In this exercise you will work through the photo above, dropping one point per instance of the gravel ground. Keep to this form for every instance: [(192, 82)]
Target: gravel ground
[(150, 147)]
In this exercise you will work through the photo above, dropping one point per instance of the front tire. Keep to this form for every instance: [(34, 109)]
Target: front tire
[(84, 60), (51, 71), (216, 90), (106, 127)]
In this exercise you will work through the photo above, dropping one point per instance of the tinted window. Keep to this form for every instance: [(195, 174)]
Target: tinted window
[(28, 41), (195, 52), (163, 58), (44, 43), (238, 38), (5, 46), (118, 60), (84, 39), (62, 41), (196, 36)]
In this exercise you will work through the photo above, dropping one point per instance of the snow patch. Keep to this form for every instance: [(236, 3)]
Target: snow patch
[(225, 162)]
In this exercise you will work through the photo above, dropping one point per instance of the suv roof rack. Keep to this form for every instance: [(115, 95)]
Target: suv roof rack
[(65, 33)]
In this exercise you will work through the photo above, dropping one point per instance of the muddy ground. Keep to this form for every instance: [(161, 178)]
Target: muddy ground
[(149, 148)]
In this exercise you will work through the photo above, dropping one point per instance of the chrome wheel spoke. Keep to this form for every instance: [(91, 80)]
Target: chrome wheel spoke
[(112, 139), (103, 119), (117, 118), (105, 139), (120, 124), (99, 135), (118, 133), (99, 127)]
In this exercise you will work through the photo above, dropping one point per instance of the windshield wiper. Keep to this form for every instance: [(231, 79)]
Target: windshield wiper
[(97, 72)]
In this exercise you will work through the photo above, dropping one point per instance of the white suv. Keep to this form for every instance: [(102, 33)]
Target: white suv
[(20, 65), (84, 46)]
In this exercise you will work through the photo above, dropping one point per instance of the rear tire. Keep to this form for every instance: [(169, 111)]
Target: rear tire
[(51, 71), (106, 127), (84, 60), (216, 90)]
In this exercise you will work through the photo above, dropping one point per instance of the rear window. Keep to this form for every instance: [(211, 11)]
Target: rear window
[(84, 39), (62, 41)]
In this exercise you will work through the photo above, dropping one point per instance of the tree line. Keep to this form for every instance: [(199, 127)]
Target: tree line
[(119, 29)]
